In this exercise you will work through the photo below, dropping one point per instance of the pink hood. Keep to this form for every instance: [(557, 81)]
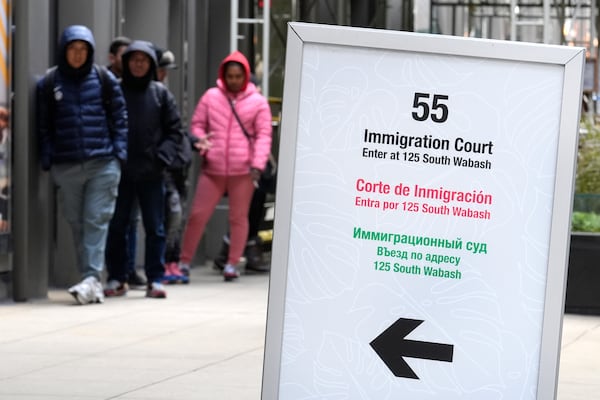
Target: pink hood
[(238, 57)]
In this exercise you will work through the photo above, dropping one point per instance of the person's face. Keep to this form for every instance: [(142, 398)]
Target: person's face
[(235, 76), (161, 74), (77, 53), (116, 60), (139, 64)]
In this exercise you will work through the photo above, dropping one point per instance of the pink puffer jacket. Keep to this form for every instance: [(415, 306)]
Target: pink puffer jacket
[(231, 152)]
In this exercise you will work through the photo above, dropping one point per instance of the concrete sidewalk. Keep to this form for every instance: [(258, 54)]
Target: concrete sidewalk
[(204, 342), (579, 374)]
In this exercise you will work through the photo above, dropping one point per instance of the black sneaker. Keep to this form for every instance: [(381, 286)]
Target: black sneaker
[(262, 267), (135, 279), (219, 263)]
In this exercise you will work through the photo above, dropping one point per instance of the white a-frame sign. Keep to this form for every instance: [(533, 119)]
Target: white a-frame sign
[(422, 216)]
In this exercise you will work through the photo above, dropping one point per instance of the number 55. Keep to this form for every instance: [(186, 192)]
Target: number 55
[(439, 110)]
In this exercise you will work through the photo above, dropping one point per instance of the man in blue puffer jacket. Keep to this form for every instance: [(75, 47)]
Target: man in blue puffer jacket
[(83, 142)]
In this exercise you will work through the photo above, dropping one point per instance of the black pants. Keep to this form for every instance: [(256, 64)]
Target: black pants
[(257, 212)]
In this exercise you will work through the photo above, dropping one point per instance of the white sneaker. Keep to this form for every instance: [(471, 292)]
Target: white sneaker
[(98, 291), (87, 291), (230, 273)]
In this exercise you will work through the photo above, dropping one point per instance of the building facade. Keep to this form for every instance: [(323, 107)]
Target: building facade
[(35, 245)]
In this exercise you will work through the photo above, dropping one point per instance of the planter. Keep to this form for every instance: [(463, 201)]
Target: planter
[(583, 279)]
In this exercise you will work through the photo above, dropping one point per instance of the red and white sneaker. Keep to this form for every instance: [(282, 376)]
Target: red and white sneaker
[(156, 290), (115, 288)]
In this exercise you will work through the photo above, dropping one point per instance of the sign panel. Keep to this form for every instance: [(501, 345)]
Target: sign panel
[(422, 216)]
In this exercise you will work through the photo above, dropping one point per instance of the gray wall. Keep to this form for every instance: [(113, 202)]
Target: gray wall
[(147, 20), (32, 196), (96, 15)]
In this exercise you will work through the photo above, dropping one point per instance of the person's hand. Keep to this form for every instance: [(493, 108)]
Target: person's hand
[(255, 173), (203, 144)]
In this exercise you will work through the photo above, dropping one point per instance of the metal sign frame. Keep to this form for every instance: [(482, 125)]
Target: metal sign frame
[(570, 58)]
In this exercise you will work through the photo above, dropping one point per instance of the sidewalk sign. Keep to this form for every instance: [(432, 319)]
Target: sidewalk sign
[(422, 217)]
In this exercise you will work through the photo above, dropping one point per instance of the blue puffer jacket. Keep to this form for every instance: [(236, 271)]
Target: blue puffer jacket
[(74, 126)]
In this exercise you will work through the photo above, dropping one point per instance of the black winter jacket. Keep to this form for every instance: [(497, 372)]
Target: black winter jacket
[(155, 129)]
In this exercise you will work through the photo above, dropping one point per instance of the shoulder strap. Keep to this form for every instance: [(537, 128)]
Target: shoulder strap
[(48, 85), (160, 93), (49, 79), (106, 87), (237, 117)]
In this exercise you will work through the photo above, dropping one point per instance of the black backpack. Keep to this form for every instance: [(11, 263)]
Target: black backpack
[(183, 159), (184, 150)]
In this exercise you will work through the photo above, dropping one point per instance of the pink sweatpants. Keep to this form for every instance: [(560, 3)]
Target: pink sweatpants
[(209, 191)]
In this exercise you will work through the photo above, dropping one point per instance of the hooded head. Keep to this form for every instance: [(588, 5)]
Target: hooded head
[(76, 51), (138, 55), (228, 78)]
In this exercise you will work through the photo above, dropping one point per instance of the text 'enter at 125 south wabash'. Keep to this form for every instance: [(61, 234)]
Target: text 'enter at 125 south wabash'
[(425, 148)]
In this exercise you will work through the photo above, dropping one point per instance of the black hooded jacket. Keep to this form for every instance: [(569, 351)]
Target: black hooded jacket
[(155, 129)]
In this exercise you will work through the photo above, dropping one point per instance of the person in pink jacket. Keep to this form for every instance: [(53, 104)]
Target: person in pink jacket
[(235, 149)]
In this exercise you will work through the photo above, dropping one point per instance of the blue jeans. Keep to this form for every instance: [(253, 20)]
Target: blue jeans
[(88, 191), (150, 196)]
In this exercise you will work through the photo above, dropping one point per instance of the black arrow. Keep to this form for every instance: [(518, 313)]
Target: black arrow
[(391, 347)]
